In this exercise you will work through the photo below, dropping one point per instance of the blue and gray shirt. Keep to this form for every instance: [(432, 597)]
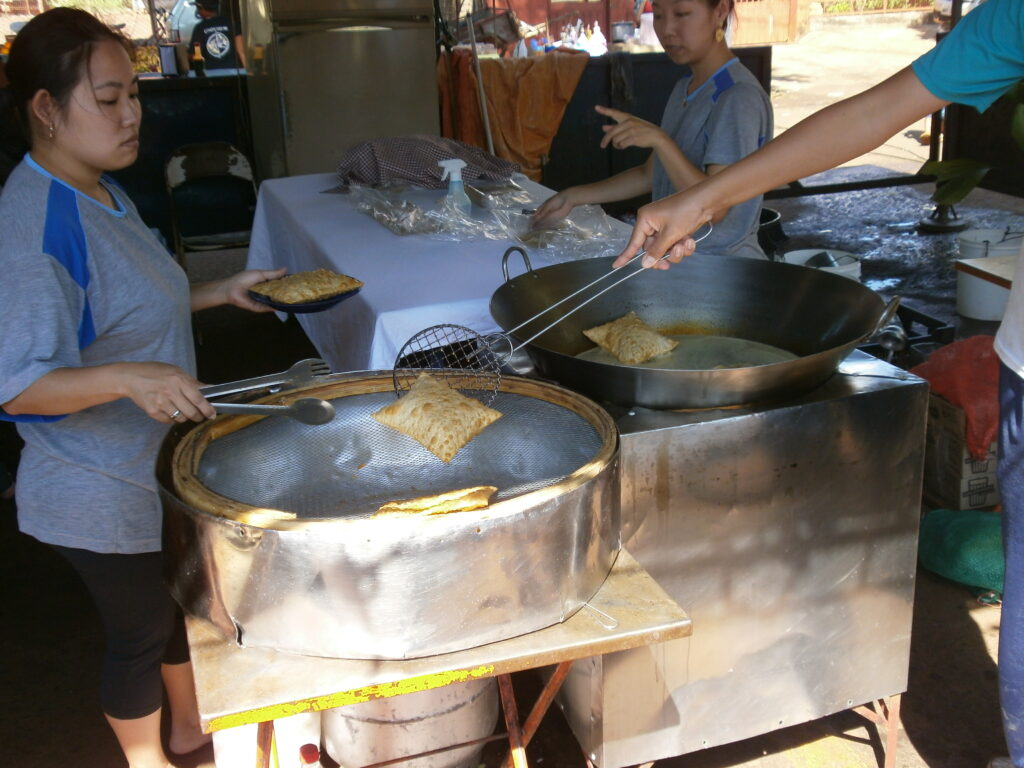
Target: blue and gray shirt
[(82, 284), (724, 120)]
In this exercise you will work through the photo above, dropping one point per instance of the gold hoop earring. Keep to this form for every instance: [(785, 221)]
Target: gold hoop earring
[(719, 37)]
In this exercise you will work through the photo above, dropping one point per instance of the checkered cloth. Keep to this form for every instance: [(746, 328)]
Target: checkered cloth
[(414, 160)]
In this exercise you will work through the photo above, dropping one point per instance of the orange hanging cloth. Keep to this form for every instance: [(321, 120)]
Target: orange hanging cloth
[(526, 99)]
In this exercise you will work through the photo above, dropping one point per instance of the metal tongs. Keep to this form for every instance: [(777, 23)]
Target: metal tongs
[(307, 410), (303, 372), (495, 339), (472, 361)]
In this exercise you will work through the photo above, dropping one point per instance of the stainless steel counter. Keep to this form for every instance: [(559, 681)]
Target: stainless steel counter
[(788, 532)]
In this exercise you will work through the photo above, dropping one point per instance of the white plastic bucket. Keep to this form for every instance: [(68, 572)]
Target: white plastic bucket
[(386, 729), (979, 299), (236, 747), (847, 264), (980, 243)]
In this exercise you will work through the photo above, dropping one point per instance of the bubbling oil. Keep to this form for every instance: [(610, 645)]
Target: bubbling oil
[(702, 352)]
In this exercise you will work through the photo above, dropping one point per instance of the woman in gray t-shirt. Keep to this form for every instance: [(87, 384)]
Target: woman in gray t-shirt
[(714, 117), (97, 360)]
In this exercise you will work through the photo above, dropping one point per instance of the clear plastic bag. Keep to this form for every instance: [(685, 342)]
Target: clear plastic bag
[(587, 232)]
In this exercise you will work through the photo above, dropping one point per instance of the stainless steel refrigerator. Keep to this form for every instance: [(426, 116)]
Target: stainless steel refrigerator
[(325, 75)]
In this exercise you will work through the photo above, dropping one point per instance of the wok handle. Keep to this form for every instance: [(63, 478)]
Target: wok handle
[(504, 261), (887, 316)]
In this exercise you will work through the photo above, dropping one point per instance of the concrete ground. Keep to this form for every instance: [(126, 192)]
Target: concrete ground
[(51, 643), (843, 55)]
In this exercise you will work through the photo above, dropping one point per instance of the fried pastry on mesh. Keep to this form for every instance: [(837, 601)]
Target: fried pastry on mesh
[(436, 416), (630, 339), (462, 500)]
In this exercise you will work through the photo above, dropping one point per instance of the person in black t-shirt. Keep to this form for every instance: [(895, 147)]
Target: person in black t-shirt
[(216, 37)]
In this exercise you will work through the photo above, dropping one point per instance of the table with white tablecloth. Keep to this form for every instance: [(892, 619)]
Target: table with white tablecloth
[(411, 281)]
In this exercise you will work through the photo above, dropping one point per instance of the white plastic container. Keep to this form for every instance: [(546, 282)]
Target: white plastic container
[(390, 728), (976, 298), (979, 299), (846, 264), (236, 747), (981, 243)]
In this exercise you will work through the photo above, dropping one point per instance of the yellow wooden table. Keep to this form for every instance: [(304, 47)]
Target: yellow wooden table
[(238, 686)]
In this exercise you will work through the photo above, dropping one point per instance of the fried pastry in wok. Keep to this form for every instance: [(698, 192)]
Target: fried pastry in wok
[(630, 339), (303, 287), (436, 416), (462, 500)]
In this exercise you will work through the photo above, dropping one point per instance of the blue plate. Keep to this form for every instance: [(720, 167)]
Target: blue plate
[(304, 307)]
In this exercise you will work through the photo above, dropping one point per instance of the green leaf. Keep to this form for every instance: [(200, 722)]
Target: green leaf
[(954, 178), (1017, 125)]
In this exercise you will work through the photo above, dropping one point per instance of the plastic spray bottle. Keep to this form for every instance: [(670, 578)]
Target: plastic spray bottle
[(456, 191)]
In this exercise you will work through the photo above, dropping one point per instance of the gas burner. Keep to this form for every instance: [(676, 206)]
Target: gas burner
[(910, 338)]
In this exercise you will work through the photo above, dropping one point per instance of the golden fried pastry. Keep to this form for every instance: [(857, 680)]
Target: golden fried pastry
[(461, 500), (302, 287), (436, 416), (630, 339)]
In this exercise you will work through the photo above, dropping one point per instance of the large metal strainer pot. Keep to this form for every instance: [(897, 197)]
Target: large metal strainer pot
[(329, 579)]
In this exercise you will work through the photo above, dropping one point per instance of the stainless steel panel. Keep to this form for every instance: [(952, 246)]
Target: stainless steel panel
[(789, 534), (345, 84)]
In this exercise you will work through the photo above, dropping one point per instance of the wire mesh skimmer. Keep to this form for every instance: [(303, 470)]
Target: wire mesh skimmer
[(472, 362)]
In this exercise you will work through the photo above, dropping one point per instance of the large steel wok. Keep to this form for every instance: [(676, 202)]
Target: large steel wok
[(817, 316)]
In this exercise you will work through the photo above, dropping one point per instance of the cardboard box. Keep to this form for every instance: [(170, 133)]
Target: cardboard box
[(953, 479)]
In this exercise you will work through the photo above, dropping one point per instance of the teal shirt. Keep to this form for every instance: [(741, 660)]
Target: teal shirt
[(981, 59)]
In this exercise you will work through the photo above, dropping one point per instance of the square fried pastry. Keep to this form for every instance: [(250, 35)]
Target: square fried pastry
[(462, 500), (302, 287), (630, 339), (436, 416)]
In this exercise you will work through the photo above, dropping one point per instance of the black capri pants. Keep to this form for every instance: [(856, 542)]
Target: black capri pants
[(144, 627)]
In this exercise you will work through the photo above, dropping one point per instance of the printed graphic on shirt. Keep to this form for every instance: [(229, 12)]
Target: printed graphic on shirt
[(218, 44)]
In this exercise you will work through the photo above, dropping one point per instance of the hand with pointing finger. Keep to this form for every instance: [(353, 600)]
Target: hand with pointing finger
[(630, 131)]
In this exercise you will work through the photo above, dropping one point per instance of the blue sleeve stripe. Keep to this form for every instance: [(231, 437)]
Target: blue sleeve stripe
[(64, 240), (28, 418), (63, 237), (723, 82)]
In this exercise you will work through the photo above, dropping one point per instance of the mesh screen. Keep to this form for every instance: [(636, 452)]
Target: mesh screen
[(352, 465)]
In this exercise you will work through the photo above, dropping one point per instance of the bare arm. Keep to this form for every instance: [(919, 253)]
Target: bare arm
[(158, 389), (622, 186), (232, 290), (827, 138)]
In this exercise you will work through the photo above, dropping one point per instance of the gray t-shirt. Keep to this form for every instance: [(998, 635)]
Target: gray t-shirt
[(723, 121), (82, 284)]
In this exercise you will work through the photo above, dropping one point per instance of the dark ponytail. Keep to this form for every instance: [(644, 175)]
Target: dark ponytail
[(51, 53)]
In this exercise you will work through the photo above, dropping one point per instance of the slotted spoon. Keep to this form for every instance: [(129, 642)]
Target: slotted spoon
[(308, 410)]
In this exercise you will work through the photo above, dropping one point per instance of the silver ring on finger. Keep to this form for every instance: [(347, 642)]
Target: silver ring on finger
[(176, 414)]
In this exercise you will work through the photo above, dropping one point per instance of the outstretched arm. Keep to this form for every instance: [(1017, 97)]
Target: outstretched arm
[(827, 138)]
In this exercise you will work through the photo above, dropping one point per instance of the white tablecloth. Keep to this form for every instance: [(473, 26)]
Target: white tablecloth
[(411, 282)]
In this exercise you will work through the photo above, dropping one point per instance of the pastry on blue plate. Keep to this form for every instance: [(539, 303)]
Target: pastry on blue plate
[(305, 287)]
